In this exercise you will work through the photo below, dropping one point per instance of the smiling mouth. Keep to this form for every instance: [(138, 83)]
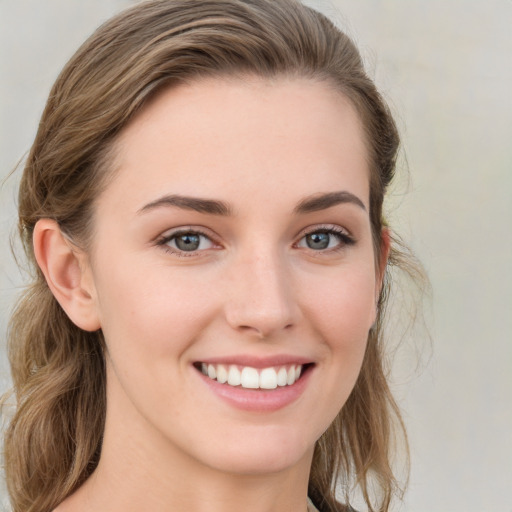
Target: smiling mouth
[(253, 378)]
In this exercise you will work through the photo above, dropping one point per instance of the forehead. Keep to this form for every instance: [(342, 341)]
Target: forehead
[(242, 138)]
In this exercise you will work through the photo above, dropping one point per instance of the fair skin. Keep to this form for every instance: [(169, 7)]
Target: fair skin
[(275, 272)]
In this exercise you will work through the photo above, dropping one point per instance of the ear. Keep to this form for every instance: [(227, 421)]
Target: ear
[(385, 247), (67, 273)]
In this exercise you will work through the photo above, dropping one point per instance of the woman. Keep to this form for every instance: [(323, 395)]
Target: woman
[(203, 205)]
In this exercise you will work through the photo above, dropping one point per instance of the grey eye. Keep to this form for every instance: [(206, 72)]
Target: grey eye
[(189, 242), (325, 239), (318, 240)]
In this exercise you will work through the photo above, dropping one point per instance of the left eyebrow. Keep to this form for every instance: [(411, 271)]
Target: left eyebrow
[(323, 201), (197, 204)]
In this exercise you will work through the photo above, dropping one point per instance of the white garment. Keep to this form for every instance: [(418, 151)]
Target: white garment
[(311, 507)]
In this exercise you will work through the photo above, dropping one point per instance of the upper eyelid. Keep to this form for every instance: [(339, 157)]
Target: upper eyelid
[(344, 236), (172, 232), (163, 242), (323, 227)]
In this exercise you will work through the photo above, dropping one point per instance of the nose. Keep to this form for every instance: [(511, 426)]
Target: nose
[(261, 299)]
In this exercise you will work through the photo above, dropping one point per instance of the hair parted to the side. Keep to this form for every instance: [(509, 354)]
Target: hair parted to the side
[(53, 442)]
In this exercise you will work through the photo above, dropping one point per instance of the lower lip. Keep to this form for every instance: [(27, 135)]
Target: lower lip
[(259, 400)]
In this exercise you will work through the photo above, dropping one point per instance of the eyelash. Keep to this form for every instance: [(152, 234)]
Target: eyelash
[(343, 237), (165, 240)]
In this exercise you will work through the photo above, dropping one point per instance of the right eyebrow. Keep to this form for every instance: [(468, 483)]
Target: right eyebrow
[(197, 204), (323, 201)]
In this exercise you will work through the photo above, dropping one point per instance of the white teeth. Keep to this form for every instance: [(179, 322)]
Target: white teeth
[(282, 376), (268, 378), (252, 378), (234, 377), (222, 374)]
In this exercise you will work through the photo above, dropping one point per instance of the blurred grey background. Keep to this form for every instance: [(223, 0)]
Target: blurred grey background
[(445, 67)]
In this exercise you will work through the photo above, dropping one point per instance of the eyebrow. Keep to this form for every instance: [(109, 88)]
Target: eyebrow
[(197, 204), (323, 201), (214, 207)]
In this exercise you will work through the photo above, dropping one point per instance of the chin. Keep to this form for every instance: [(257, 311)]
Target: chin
[(262, 453)]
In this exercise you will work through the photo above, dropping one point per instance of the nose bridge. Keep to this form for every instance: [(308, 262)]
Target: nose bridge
[(262, 300)]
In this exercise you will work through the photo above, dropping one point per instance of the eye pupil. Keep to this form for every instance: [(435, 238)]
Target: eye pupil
[(318, 240), (188, 242)]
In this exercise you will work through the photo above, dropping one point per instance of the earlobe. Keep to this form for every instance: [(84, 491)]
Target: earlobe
[(67, 274)]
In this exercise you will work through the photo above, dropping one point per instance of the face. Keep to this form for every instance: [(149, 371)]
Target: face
[(233, 271)]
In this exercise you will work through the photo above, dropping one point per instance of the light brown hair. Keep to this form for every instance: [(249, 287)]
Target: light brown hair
[(53, 442)]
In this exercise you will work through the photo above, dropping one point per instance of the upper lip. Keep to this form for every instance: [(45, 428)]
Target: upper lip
[(257, 361)]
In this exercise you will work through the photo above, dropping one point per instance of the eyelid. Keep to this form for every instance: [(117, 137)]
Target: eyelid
[(343, 233), (335, 228), (163, 239)]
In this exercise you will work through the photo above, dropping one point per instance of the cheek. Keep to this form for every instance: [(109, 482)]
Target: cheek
[(346, 307), (153, 313), (350, 317), (341, 315), (150, 321)]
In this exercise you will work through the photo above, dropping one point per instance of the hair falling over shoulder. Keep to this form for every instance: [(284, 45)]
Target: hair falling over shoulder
[(53, 442)]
